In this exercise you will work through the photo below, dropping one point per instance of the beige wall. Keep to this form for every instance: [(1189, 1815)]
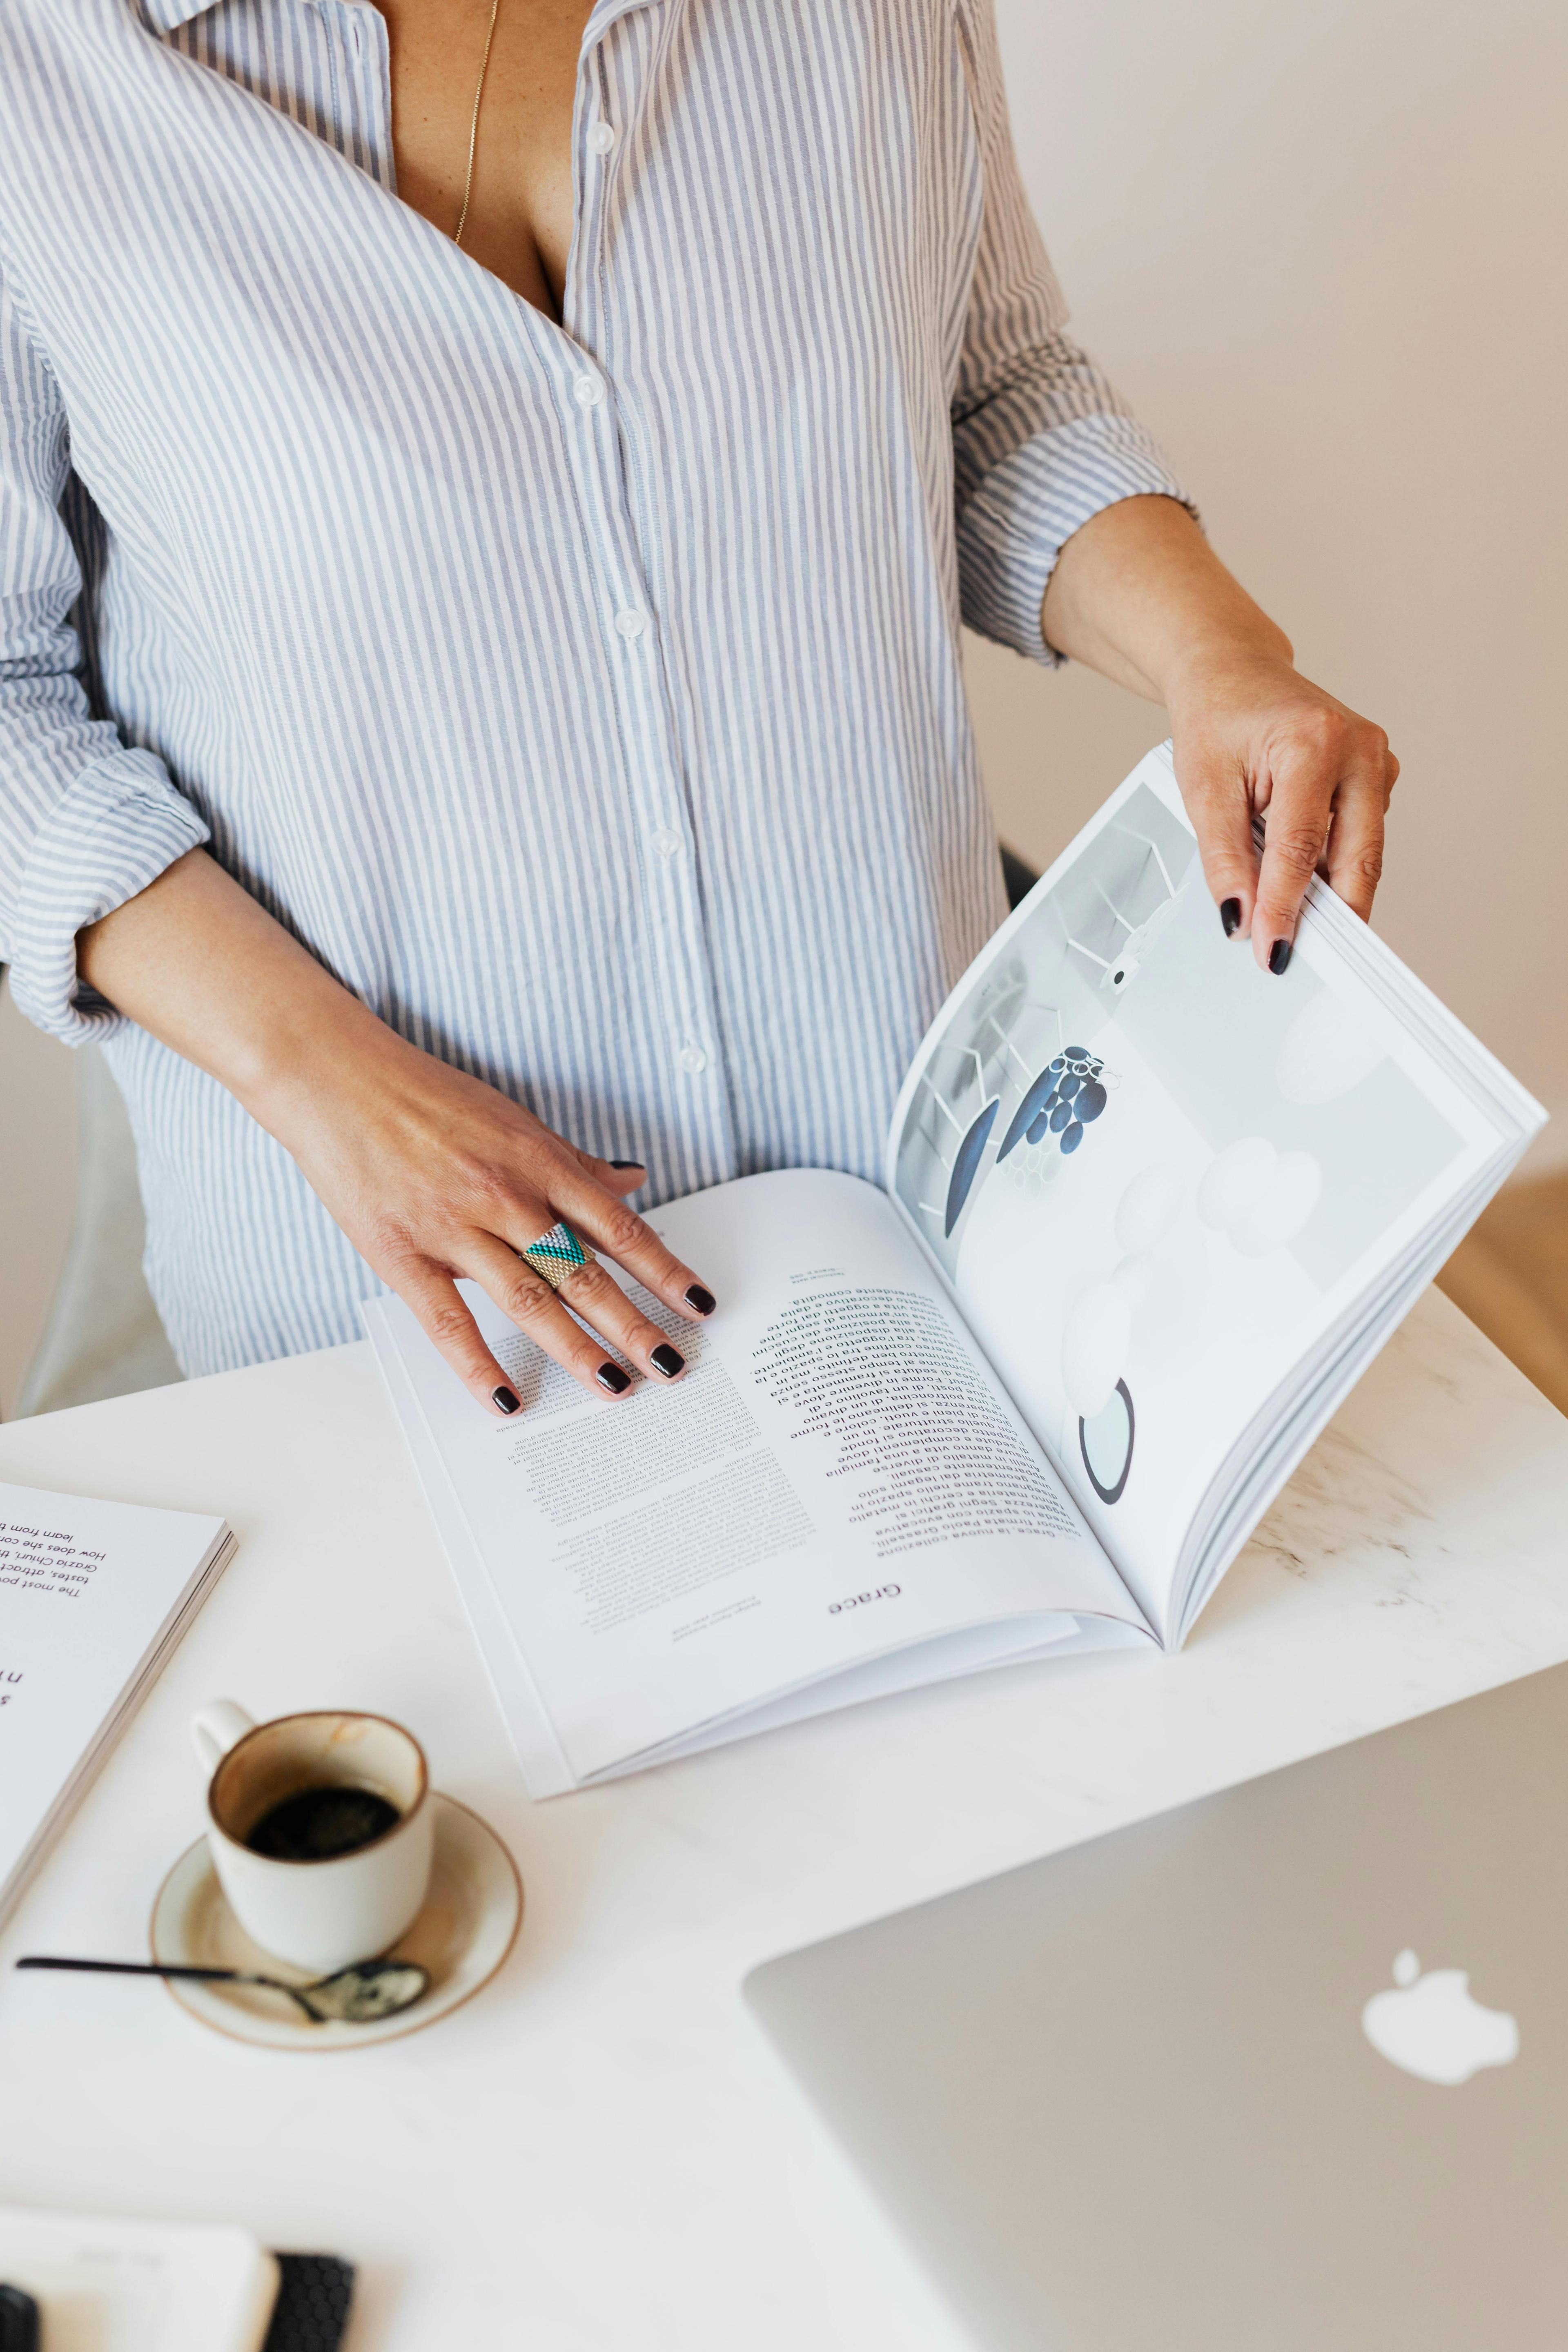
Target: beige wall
[(1320, 246)]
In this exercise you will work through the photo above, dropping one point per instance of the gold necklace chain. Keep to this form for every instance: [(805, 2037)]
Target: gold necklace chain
[(474, 125)]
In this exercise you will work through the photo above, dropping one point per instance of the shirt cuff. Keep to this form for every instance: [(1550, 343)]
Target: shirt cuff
[(1015, 526), (117, 829)]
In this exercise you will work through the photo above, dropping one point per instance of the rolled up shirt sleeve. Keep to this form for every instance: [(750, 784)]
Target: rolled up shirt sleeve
[(1041, 440), (86, 821)]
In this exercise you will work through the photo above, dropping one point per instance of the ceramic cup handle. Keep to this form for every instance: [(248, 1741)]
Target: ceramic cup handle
[(214, 1730)]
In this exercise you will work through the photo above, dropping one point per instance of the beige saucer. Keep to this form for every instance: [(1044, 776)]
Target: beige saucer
[(467, 1927)]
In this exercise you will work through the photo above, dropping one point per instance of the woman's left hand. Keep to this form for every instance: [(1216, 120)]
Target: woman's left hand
[(1140, 595), (1254, 737)]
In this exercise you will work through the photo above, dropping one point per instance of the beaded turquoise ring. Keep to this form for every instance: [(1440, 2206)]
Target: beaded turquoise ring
[(556, 1255)]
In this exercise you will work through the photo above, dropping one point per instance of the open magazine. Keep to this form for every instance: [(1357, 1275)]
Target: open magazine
[(1148, 1215)]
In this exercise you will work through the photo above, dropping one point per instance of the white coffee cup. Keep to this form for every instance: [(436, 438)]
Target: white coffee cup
[(320, 1915)]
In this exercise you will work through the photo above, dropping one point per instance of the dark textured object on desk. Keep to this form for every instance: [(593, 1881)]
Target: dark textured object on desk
[(312, 2307)]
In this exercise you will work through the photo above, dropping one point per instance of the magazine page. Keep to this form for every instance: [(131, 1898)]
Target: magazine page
[(836, 1478), (89, 1593), (1155, 1176)]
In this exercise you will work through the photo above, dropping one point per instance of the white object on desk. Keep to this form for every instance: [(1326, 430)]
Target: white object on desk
[(94, 1595), (107, 2285), (600, 2153)]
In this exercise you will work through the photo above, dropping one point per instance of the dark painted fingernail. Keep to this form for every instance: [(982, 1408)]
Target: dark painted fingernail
[(628, 1164), (1278, 956), (703, 1300), (669, 1362), (611, 1377), (505, 1399), (1230, 916)]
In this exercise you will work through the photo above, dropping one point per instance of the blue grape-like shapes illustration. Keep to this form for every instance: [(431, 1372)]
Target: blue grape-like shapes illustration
[(1067, 1097)]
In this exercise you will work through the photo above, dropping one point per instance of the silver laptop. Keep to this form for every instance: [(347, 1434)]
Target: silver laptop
[(1285, 2071)]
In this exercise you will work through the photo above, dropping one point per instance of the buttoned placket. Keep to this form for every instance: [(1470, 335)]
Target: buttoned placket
[(593, 437), (603, 480)]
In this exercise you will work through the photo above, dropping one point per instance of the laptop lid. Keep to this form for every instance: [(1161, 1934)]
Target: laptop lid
[(1283, 2070)]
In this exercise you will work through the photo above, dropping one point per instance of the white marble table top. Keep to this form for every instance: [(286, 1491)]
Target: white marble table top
[(599, 2152)]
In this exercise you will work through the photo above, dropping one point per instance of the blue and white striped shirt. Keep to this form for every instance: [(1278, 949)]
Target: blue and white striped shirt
[(587, 697)]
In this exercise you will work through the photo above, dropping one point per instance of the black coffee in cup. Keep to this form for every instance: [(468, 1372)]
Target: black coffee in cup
[(320, 1823)]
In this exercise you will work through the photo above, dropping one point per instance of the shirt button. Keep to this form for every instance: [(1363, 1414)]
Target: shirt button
[(668, 843), (630, 625), (693, 1061), (588, 391), (602, 138)]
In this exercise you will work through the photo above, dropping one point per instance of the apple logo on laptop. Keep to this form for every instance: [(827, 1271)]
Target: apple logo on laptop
[(1434, 2026)]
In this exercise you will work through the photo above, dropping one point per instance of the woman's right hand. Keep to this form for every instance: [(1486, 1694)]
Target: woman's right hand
[(431, 1173)]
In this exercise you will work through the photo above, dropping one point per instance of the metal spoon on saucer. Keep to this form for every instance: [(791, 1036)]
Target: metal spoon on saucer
[(360, 1995)]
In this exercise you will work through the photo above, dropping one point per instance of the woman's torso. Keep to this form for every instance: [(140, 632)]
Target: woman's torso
[(586, 696)]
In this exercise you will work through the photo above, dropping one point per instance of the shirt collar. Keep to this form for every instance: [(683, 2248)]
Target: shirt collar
[(168, 15)]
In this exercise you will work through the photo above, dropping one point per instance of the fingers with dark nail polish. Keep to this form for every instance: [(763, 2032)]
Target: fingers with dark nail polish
[(667, 1360), (610, 1376), (1230, 916), (505, 1399), (1278, 956), (703, 1300), (628, 1164)]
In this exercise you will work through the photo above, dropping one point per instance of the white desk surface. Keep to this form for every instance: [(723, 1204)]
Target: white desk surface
[(600, 2152)]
